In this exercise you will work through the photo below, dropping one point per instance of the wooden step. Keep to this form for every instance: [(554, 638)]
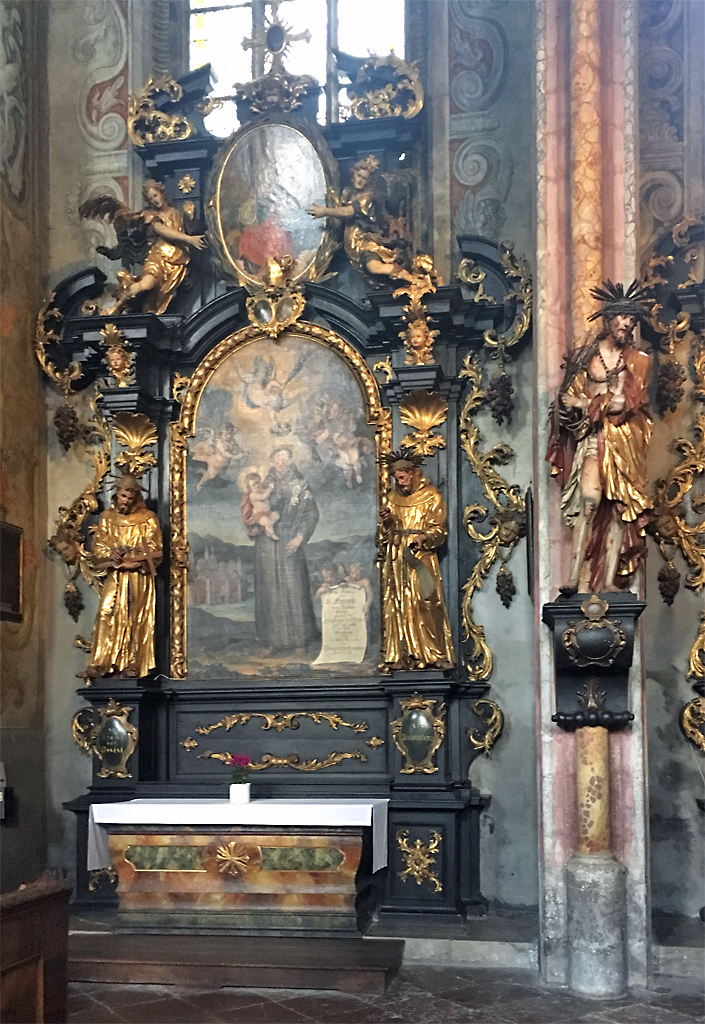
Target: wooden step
[(211, 961)]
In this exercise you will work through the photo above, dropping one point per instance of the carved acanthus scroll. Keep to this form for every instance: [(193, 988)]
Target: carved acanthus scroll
[(507, 524)]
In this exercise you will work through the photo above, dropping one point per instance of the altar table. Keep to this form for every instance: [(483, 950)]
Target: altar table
[(267, 867)]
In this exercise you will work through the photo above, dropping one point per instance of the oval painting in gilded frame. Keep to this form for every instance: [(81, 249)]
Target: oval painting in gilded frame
[(262, 185)]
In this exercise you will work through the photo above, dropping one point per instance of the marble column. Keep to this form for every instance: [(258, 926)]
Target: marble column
[(586, 210)]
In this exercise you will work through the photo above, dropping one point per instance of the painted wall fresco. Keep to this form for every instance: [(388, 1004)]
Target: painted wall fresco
[(22, 439), (281, 499)]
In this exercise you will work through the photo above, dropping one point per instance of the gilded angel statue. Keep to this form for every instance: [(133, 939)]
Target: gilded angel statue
[(376, 240), (153, 237)]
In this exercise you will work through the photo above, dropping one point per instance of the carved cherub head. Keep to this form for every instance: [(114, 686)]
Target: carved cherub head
[(511, 527), (66, 544), (418, 341)]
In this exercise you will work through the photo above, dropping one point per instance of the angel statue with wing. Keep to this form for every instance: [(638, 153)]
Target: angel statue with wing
[(154, 238), (375, 243)]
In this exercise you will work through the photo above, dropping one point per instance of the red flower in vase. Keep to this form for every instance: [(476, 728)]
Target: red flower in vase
[(240, 765)]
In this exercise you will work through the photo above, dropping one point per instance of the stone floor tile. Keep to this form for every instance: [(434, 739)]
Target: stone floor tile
[(223, 1000), (486, 994), (424, 1008), (117, 996), (691, 1005), (78, 1001), (166, 1011), (96, 1014), (268, 1012), (324, 1007), (533, 1010), (433, 979), (642, 1013)]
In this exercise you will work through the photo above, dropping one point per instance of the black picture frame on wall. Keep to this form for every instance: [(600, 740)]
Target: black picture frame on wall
[(11, 538)]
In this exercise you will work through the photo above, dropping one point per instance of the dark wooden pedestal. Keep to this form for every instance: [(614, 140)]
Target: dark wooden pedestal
[(33, 953)]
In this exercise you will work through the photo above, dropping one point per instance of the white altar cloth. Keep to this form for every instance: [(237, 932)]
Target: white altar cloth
[(281, 813)]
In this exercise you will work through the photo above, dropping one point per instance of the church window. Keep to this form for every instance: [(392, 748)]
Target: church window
[(358, 27)]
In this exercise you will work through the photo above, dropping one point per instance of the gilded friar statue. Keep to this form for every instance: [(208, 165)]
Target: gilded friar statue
[(128, 543), (412, 526), (600, 431), (154, 238)]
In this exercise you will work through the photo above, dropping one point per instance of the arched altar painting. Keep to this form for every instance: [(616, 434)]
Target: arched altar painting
[(282, 510)]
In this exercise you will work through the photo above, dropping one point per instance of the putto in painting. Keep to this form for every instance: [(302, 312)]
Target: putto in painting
[(282, 508)]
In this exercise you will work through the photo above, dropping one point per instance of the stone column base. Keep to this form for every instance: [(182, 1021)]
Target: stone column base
[(597, 925)]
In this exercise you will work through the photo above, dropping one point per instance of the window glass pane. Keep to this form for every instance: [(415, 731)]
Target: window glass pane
[(373, 26), (307, 58), (216, 39)]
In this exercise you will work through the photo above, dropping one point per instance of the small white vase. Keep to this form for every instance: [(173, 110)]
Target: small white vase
[(240, 793)]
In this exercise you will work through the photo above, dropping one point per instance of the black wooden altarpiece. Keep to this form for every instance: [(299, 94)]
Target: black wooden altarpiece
[(309, 734)]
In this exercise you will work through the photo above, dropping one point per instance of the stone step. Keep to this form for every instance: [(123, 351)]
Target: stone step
[(211, 961)]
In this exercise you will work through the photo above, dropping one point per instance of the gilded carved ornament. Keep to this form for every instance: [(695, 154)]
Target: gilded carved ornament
[(135, 432), (418, 733), (185, 427), (417, 336), (68, 540), (107, 734), (669, 525), (279, 721), (48, 322), (277, 304), (419, 858), (237, 859), (384, 366), (494, 724), (146, 124), (696, 665), (518, 270), (469, 272), (507, 525), (401, 97), (422, 411), (692, 720), (118, 358), (290, 761)]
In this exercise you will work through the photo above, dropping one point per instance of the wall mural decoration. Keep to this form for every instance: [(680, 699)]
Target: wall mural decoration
[(281, 489)]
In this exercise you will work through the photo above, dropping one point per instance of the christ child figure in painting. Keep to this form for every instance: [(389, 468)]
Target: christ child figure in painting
[(413, 525), (128, 544), (284, 616), (255, 507), (600, 432)]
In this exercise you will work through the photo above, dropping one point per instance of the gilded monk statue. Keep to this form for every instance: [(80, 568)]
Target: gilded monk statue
[(600, 432), (413, 525), (128, 543)]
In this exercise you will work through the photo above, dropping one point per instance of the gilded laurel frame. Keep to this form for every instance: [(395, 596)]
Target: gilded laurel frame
[(185, 427)]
